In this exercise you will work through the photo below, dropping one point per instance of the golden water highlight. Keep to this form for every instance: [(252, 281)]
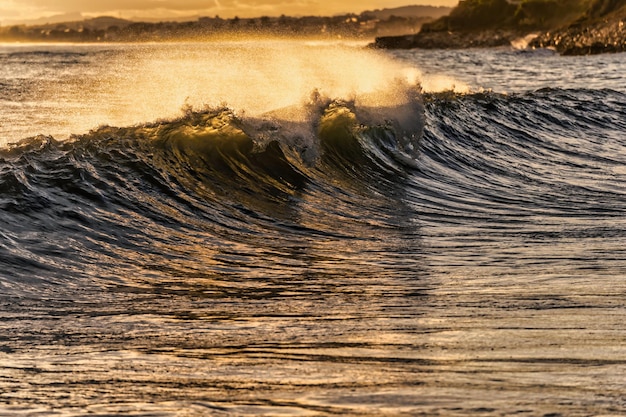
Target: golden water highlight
[(82, 87)]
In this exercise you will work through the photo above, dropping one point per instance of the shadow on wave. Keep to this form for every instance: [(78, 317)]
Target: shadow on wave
[(142, 198), (213, 154)]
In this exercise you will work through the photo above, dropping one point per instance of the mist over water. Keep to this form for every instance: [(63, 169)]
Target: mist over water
[(310, 228), (72, 89)]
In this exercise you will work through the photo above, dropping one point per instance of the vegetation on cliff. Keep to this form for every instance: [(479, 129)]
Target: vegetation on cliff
[(525, 15)]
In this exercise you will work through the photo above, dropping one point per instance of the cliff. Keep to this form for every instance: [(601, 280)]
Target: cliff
[(569, 26)]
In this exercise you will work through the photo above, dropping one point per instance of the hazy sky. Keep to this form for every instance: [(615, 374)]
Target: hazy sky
[(12, 10)]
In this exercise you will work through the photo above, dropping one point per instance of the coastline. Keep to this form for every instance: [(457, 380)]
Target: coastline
[(603, 37), (449, 40), (570, 28), (606, 37)]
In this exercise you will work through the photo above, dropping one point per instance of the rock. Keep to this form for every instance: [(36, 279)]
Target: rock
[(603, 37), (570, 27), (449, 40), (394, 42)]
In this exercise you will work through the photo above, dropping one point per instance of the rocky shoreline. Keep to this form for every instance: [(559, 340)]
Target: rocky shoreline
[(570, 27), (604, 37), (449, 40)]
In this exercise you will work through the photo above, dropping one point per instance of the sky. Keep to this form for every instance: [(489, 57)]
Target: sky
[(15, 11)]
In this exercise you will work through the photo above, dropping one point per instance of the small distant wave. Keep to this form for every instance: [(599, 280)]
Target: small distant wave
[(523, 42)]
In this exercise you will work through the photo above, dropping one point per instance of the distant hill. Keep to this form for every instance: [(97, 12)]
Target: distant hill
[(105, 22), (97, 23), (59, 18), (409, 11), (112, 29)]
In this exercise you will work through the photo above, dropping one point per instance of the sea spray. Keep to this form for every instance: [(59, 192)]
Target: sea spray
[(142, 83)]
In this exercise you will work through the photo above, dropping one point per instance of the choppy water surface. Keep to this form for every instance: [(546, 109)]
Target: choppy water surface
[(313, 233)]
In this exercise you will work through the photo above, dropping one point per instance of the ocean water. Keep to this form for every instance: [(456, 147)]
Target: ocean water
[(311, 228)]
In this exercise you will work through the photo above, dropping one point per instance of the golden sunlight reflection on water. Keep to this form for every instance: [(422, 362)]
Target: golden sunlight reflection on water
[(82, 86), (485, 280), (70, 89)]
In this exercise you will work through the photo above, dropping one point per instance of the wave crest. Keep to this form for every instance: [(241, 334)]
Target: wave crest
[(218, 154)]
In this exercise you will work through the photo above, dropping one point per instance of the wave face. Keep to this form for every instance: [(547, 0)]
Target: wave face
[(121, 191), (486, 160), (380, 251), (539, 168)]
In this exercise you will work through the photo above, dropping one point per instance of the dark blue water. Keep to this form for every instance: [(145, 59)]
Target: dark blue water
[(454, 253)]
